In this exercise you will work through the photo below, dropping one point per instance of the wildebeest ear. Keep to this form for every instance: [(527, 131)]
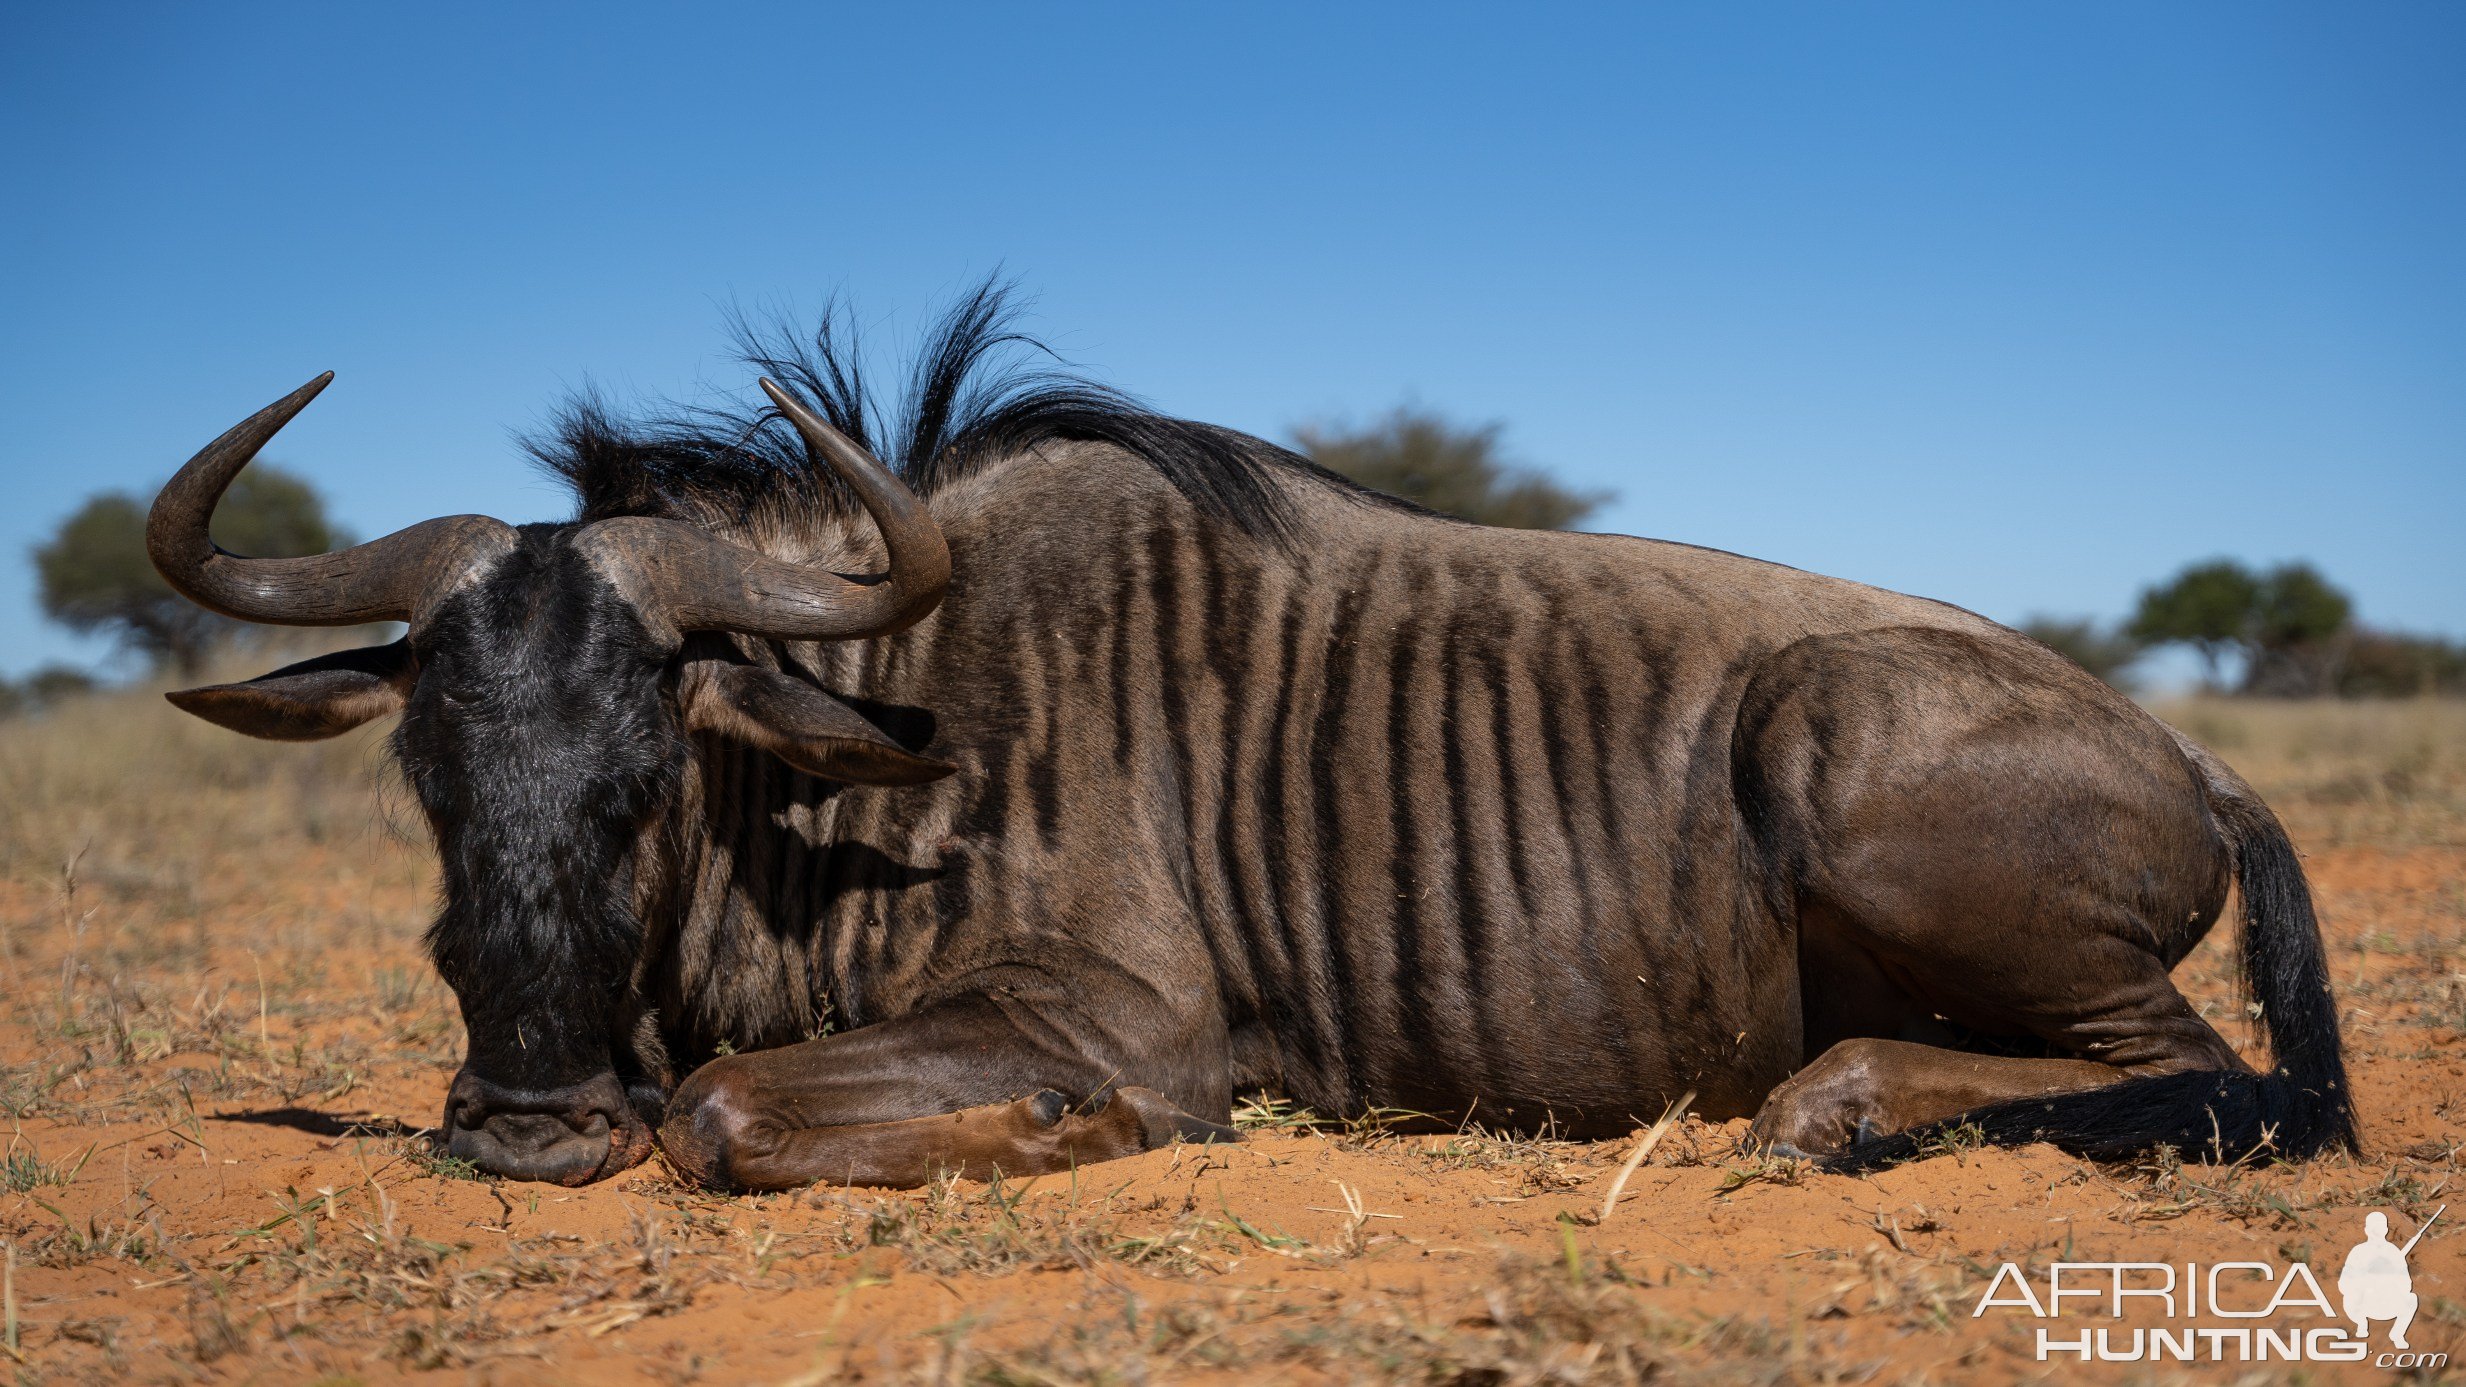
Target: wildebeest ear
[(314, 698), (802, 726)]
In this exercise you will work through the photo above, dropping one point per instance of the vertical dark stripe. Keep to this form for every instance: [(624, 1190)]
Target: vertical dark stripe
[(1044, 740), (1118, 651), (1200, 662), (1282, 683), (1164, 576), (1500, 675), (998, 730), (1567, 709), (1343, 639), (1226, 637), (1298, 869), (1237, 632), (1636, 906), (1563, 710), (1411, 986), (1479, 983), (1600, 705)]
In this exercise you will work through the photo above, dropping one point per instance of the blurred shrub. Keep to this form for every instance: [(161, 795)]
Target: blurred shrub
[(2107, 652), (46, 686), (1450, 468), (2388, 664)]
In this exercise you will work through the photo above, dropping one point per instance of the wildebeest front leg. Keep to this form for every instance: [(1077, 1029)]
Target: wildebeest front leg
[(1030, 1136), (960, 1087)]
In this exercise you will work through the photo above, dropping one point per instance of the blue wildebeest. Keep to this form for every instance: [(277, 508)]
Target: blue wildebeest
[(1026, 801)]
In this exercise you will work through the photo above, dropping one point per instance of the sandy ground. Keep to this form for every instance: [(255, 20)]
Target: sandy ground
[(221, 1043)]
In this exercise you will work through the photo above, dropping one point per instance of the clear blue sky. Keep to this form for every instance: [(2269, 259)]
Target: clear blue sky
[(2017, 306)]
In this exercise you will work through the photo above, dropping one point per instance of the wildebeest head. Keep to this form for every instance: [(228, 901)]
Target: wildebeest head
[(547, 687)]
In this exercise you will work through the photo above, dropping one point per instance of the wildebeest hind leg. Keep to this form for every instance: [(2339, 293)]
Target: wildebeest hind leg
[(1869, 1087), (2018, 850)]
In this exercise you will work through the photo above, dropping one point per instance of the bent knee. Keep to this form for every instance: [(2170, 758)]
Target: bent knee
[(714, 1124)]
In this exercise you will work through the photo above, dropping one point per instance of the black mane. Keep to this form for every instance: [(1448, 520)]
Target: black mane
[(977, 391)]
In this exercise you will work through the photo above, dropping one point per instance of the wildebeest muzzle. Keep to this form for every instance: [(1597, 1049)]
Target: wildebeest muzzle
[(565, 1136)]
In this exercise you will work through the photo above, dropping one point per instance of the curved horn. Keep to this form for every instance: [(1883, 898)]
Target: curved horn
[(382, 580), (700, 582)]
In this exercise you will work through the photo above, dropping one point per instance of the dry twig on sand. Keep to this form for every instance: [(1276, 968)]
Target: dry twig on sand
[(1661, 1128)]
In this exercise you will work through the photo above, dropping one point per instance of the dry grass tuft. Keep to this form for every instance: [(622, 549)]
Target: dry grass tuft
[(2390, 773)]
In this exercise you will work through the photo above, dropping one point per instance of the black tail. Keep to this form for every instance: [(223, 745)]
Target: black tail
[(2299, 1108)]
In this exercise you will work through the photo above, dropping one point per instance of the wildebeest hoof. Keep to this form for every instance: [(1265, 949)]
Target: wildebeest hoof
[(1047, 1106), (1161, 1123), (1830, 1105)]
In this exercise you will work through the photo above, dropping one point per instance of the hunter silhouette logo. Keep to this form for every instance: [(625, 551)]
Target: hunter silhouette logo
[(2375, 1285), (2223, 1312)]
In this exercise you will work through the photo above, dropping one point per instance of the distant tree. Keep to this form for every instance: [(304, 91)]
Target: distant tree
[(95, 576), (1456, 470), (2289, 623), (46, 686), (2298, 620), (2104, 651), (2208, 606)]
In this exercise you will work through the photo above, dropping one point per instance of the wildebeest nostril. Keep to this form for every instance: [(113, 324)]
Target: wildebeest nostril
[(536, 1132), (535, 1146)]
